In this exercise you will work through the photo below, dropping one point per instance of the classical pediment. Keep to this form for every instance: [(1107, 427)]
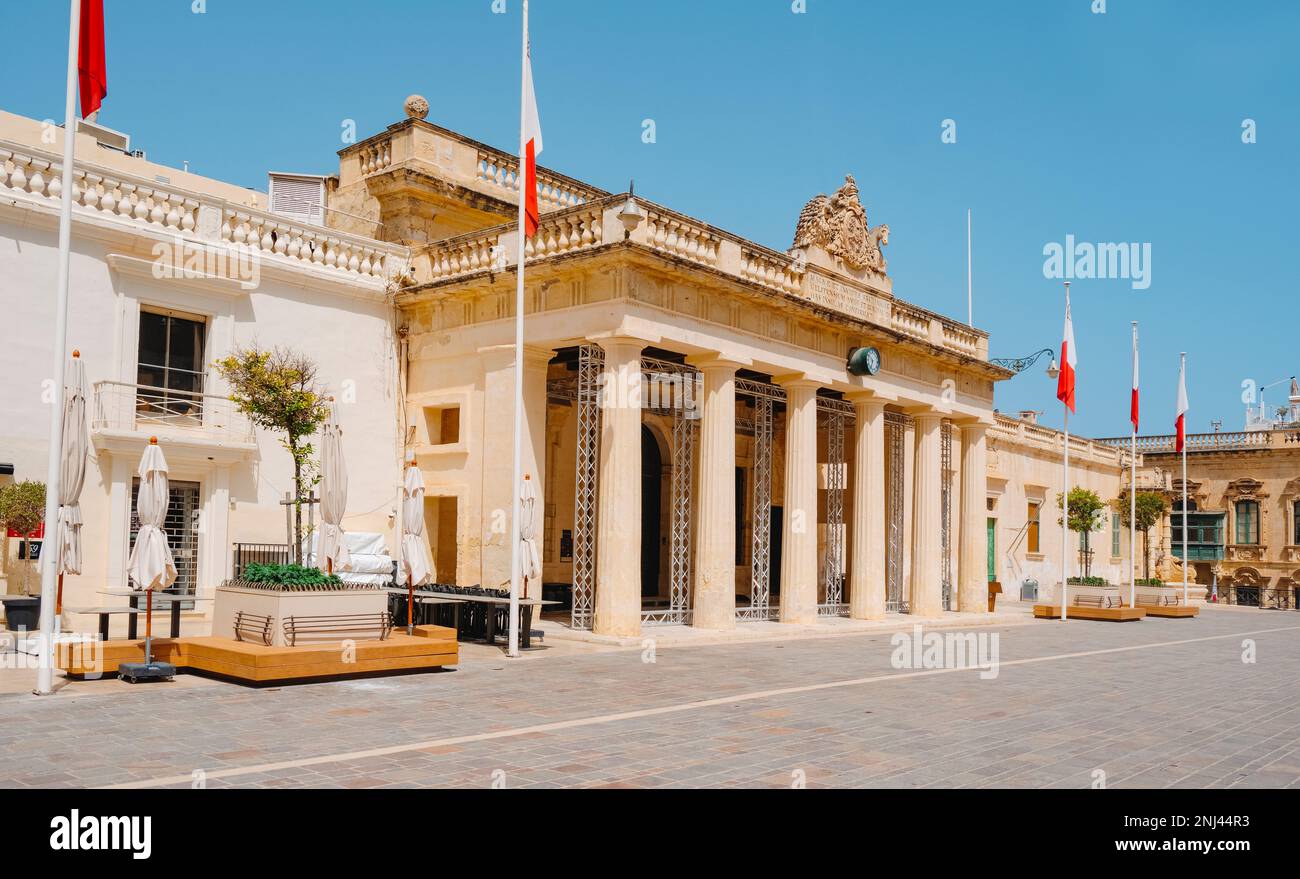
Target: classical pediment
[(833, 233)]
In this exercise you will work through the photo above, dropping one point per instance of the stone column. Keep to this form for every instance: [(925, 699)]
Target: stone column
[(927, 521), (498, 491), (715, 548), (799, 547), (867, 563), (973, 563), (618, 533)]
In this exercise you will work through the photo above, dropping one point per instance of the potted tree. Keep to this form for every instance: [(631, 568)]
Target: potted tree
[(22, 509), (278, 391), (1086, 517), (1151, 508)]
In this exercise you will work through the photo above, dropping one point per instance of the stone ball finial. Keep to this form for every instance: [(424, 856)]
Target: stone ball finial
[(416, 106)]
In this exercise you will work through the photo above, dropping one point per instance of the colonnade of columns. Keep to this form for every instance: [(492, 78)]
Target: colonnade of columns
[(618, 572)]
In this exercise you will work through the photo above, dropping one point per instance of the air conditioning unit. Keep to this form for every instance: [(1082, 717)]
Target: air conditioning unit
[(299, 197)]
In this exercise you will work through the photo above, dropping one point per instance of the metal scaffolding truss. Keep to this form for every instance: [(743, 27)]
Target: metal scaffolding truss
[(685, 429), (760, 560), (945, 510), (834, 419), (591, 363), (896, 600)]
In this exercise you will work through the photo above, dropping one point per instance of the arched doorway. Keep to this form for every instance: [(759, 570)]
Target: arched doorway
[(651, 474)]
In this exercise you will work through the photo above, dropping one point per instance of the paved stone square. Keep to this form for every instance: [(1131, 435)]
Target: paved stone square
[(1152, 704)]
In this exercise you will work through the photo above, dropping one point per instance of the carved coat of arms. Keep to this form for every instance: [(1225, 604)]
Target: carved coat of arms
[(838, 225)]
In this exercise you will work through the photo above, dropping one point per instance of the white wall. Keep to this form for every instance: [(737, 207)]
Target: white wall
[(346, 332)]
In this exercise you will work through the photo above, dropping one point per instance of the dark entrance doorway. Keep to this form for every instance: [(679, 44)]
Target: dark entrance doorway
[(652, 467)]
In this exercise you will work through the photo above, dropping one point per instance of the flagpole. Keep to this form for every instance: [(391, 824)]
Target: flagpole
[(1186, 561), (970, 289), (517, 471), (1132, 492), (1065, 496), (49, 568)]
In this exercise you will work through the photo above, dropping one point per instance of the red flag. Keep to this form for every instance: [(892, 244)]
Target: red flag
[(92, 68), (1133, 406), (532, 139), (1181, 423), (1069, 359)]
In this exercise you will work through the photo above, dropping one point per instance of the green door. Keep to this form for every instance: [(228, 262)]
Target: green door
[(993, 549)]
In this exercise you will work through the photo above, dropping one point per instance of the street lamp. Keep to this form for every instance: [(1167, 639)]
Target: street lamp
[(630, 215), (1020, 364)]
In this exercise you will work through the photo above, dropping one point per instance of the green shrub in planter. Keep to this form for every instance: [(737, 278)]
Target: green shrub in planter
[(1088, 581), (289, 576)]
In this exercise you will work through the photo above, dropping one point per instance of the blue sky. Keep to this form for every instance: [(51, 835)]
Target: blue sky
[(1119, 127)]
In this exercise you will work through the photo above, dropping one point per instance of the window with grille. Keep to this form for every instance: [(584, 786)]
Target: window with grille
[(1115, 526)]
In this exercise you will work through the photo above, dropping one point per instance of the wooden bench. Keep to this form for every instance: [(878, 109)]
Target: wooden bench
[(338, 627), (1168, 611), (1090, 607), (104, 614), (256, 627)]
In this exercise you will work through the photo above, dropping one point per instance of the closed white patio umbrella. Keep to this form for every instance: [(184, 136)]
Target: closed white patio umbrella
[(417, 567), (151, 565), (530, 558), (72, 474), (332, 549)]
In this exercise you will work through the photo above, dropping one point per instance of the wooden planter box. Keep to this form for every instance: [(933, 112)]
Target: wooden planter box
[(232, 598), (1111, 595)]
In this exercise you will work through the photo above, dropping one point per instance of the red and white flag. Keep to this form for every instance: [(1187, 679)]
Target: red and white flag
[(1133, 405), (1069, 360), (531, 140), (92, 68), (1181, 423)]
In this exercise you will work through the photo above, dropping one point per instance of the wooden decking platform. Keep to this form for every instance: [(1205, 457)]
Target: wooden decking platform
[(1171, 611), (429, 648), (1086, 612)]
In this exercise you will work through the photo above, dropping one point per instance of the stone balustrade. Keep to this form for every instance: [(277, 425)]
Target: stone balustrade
[(774, 270), (1209, 442), (682, 237), (376, 155), (500, 171), (160, 207), (1043, 437), (595, 223), (910, 321)]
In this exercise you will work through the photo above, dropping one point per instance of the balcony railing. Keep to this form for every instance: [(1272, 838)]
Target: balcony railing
[(196, 219), (121, 406), (594, 224), (1211, 442)]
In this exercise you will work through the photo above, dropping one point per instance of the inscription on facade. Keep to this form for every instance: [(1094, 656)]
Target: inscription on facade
[(837, 296)]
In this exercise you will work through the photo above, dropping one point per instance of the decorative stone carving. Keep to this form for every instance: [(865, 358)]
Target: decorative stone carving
[(1170, 570), (416, 106), (838, 225)]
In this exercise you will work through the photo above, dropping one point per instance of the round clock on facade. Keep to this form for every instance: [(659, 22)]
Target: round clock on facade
[(864, 361)]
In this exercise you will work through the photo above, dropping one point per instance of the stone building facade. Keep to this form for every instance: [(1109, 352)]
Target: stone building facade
[(704, 451)]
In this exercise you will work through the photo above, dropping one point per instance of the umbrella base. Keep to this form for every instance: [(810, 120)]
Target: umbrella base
[(142, 672)]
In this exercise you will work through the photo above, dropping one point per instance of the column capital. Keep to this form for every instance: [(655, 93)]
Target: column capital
[(866, 401), (797, 381), (502, 356), (716, 360), (613, 342), (973, 429)]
